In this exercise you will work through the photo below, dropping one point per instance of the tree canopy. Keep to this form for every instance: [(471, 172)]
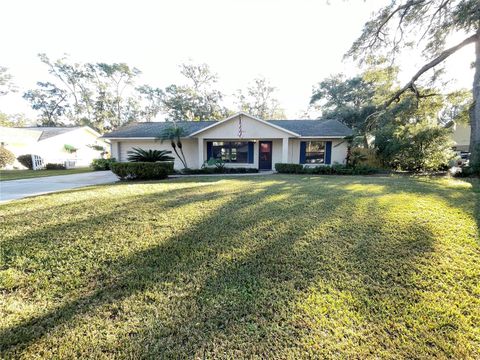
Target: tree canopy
[(426, 25), (258, 100), (96, 94)]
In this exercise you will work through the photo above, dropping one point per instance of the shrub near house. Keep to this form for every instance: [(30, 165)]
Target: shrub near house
[(6, 157), (102, 164), (336, 169), (142, 170)]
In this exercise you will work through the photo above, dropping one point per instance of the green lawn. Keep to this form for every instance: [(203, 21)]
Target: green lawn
[(27, 174), (265, 267)]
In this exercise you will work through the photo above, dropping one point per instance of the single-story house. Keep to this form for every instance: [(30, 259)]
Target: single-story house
[(242, 140), (78, 145)]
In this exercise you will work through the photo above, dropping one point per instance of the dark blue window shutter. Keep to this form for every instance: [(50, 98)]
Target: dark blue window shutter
[(303, 150), (328, 152), (209, 150), (250, 152)]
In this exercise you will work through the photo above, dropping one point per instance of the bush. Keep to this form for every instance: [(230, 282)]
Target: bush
[(467, 171), (362, 156), (51, 166), (414, 147), (336, 169), (285, 168), (167, 165), (102, 164), (6, 157), (140, 170), (215, 170), (26, 160)]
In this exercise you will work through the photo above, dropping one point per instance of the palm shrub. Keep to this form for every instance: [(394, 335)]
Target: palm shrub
[(174, 134), (6, 157), (141, 155)]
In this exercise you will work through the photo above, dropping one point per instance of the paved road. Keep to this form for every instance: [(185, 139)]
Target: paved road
[(18, 189)]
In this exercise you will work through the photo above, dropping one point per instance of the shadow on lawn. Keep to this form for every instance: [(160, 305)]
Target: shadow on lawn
[(239, 292)]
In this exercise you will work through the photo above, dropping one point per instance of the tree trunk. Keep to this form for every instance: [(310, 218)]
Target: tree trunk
[(475, 110)]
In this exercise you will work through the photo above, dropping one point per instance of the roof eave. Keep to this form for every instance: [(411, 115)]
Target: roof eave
[(247, 115)]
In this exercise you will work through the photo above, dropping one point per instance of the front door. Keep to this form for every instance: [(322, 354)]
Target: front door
[(265, 155)]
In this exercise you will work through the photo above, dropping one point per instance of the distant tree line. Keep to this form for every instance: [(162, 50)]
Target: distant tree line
[(107, 96)]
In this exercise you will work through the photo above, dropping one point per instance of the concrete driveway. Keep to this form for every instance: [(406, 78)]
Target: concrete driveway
[(18, 189)]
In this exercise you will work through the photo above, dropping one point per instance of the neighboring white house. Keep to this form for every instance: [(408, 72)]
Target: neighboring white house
[(242, 141), (55, 144)]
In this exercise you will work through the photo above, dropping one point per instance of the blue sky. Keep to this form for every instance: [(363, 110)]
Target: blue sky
[(295, 44)]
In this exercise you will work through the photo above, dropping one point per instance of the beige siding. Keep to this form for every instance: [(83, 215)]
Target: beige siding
[(189, 148), (251, 129)]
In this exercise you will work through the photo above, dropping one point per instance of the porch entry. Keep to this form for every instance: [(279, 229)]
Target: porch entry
[(265, 155)]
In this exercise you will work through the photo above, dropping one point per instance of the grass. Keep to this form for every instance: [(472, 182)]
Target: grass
[(252, 267), (27, 174)]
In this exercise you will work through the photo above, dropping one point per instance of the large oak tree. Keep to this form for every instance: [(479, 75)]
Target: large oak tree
[(426, 24)]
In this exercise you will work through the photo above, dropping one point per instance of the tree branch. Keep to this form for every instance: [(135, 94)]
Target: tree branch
[(404, 7), (445, 54)]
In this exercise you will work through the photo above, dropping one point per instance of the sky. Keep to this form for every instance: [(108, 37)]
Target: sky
[(294, 44)]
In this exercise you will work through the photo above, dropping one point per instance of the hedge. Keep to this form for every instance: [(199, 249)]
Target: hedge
[(336, 169), (51, 166), (140, 170), (167, 165), (218, 170), (289, 168)]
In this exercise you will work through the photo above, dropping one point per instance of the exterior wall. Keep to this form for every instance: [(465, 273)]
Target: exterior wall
[(52, 150), (339, 150), (276, 152), (251, 129), (190, 149), (461, 137)]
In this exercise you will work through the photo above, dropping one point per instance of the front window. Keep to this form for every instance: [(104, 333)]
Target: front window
[(315, 152), (231, 151)]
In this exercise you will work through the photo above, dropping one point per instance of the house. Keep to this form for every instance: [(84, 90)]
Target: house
[(57, 145), (242, 140)]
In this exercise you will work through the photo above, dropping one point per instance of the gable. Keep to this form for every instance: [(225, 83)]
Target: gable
[(243, 126)]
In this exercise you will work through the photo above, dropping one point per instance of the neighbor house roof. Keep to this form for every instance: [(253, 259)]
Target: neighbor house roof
[(326, 128), (45, 132)]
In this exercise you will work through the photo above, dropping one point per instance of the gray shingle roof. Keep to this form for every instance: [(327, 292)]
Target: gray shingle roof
[(330, 127), (48, 132)]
